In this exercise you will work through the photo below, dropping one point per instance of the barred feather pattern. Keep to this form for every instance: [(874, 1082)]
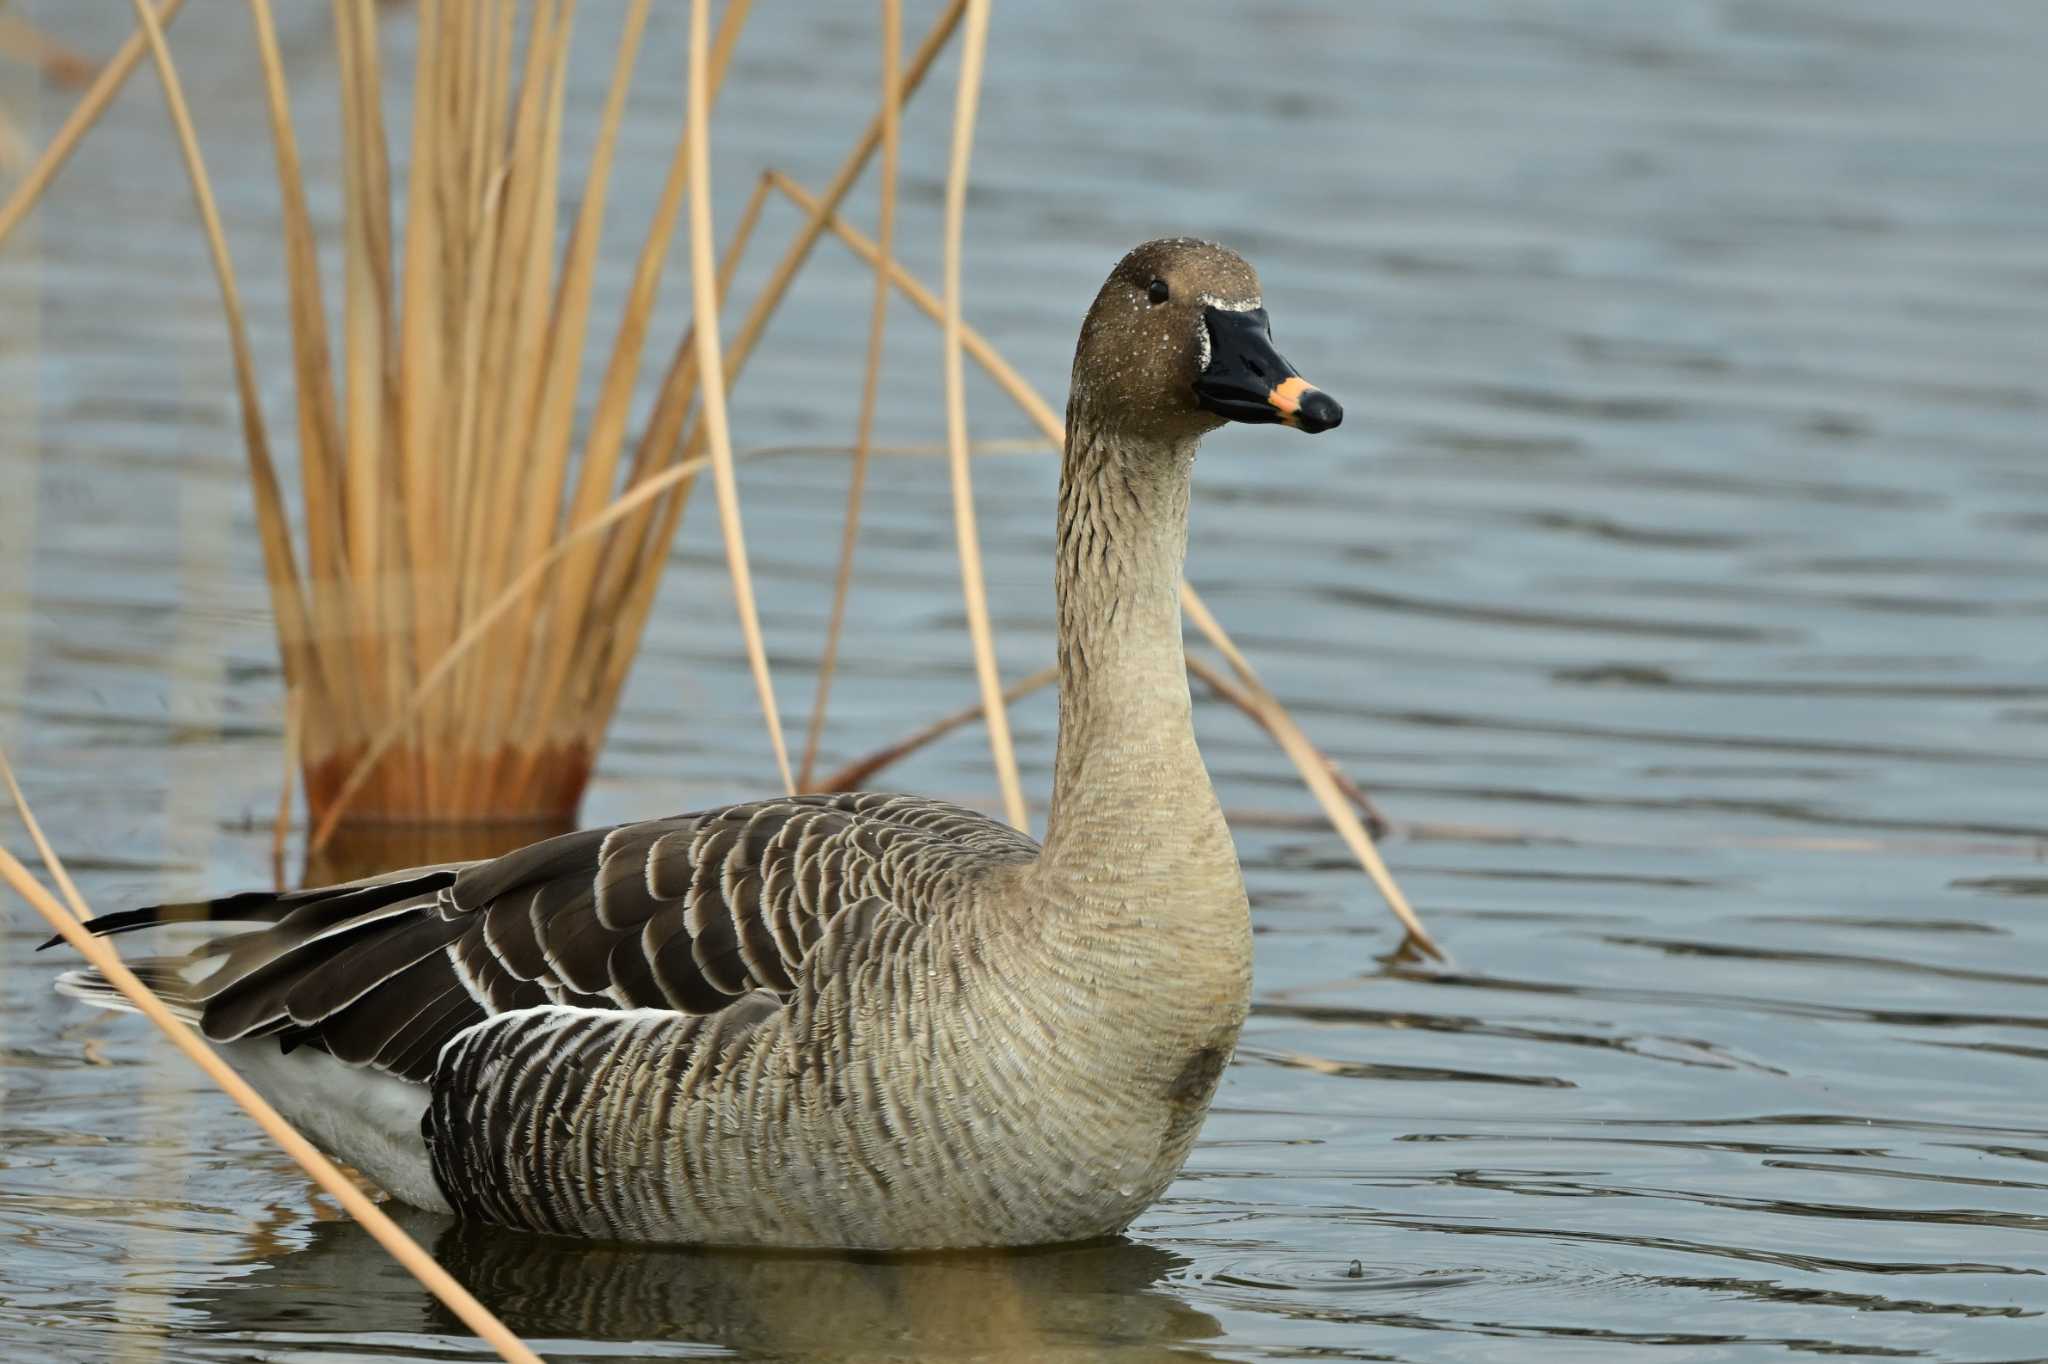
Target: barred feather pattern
[(940, 1082)]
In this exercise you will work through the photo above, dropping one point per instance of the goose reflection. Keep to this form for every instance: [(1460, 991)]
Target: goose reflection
[(1101, 1301)]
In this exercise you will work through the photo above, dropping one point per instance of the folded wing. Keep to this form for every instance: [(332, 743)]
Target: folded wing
[(690, 914)]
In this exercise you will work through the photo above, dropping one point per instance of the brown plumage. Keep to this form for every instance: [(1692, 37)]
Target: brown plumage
[(861, 1020)]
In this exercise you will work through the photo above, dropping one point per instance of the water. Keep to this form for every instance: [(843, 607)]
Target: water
[(1677, 583)]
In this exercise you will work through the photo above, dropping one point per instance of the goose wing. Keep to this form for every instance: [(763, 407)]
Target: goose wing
[(692, 914)]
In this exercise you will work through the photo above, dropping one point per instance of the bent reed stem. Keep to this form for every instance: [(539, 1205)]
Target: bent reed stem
[(101, 954)]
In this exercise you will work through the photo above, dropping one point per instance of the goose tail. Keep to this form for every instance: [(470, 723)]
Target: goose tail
[(262, 906), (257, 905), (178, 979), (165, 976)]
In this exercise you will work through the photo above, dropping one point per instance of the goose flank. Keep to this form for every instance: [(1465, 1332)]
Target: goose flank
[(857, 1021)]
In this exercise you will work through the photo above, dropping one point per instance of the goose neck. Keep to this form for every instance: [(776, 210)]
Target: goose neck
[(1126, 758)]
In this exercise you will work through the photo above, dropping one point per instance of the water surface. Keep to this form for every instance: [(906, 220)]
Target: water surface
[(1677, 583)]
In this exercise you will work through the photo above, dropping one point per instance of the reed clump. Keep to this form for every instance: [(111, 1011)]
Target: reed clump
[(439, 449)]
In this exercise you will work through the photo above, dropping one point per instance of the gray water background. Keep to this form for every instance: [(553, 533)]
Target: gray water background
[(1678, 582)]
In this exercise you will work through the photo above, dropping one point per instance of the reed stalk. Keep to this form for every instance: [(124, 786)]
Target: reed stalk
[(973, 588), (463, 648), (630, 504), (98, 96), (863, 769), (711, 373)]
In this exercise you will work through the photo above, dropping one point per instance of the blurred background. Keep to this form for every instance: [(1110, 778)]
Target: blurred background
[(1677, 584)]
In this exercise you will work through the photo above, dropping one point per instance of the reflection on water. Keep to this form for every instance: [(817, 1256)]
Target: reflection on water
[(1103, 1301), (1677, 585)]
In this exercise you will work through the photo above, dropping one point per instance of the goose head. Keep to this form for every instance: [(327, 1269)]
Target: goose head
[(1177, 343)]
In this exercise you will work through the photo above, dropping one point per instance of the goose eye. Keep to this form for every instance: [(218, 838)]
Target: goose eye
[(1157, 291)]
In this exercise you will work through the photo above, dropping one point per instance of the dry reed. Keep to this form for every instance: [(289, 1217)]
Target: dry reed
[(711, 374), (432, 683), (853, 774), (612, 587), (79, 122), (974, 44)]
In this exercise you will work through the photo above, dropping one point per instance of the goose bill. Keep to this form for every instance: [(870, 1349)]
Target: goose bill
[(1246, 380)]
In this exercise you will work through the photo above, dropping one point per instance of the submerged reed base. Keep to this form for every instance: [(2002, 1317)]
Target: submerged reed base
[(368, 847), (513, 785)]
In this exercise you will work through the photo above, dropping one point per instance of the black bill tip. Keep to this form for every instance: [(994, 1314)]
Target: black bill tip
[(1318, 411)]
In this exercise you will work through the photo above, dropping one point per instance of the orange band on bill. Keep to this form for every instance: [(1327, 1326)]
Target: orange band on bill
[(1287, 395)]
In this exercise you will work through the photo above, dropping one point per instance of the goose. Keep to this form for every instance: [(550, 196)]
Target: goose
[(863, 1021)]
